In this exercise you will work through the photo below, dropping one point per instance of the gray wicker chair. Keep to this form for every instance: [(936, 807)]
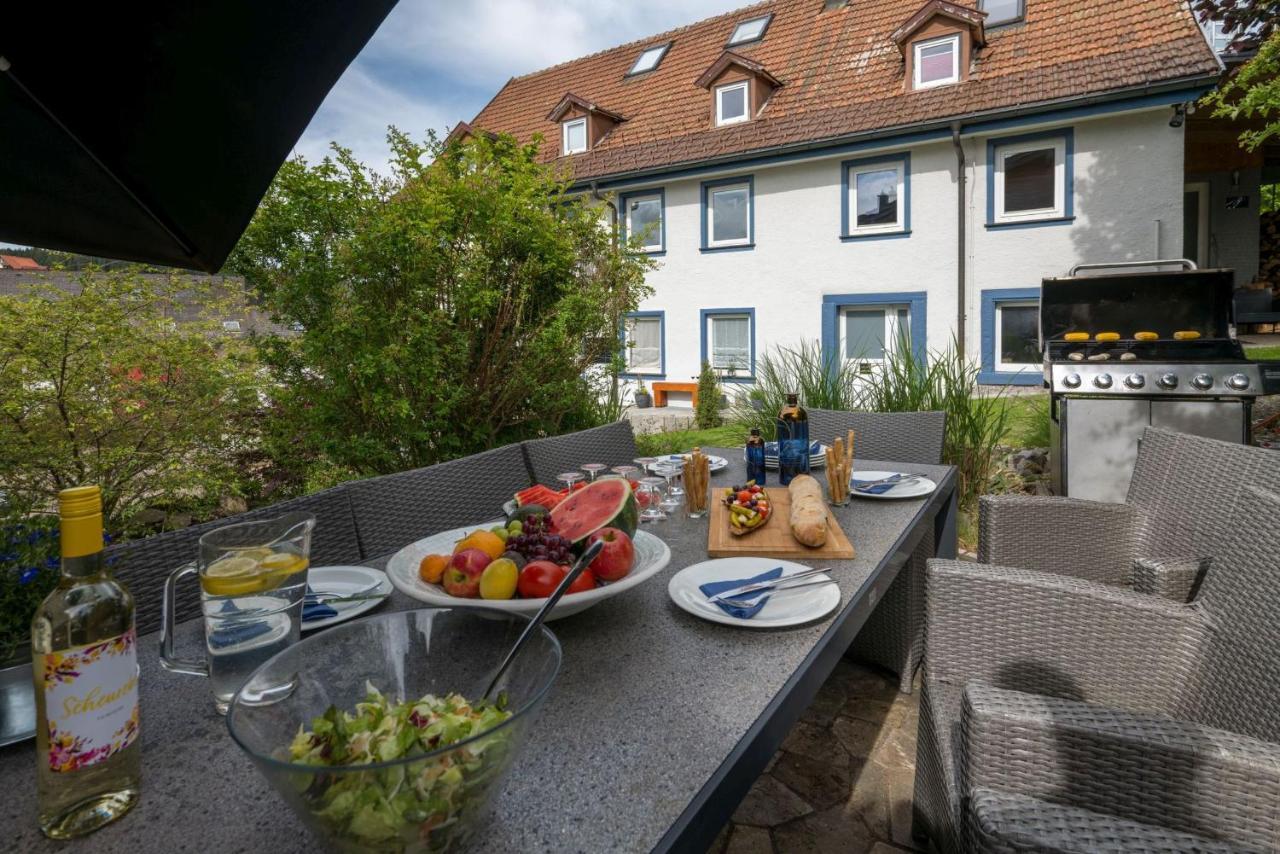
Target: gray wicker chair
[(1062, 714), (394, 510), (613, 444), (893, 636), (143, 565), (1173, 517)]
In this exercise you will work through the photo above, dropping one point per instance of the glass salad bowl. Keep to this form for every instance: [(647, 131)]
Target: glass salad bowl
[(368, 772)]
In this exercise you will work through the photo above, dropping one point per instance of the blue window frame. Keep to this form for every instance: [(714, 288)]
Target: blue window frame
[(833, 305), (875, 197), (644, 365), (639, 207), (741, 347), (1010, 343), (726, 226), (1031, 180)]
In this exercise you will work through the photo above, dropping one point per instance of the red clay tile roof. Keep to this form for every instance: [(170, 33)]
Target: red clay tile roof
[(844, 76), (18, 262)]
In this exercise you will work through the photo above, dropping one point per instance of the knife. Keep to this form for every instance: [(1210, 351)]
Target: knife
[(763, 585)]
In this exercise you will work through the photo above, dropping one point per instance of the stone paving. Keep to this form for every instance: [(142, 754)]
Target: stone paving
[(842, 781)]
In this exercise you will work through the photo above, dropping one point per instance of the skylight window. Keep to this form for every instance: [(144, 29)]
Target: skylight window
[(750, 31), (649, 60), (1000, 12)]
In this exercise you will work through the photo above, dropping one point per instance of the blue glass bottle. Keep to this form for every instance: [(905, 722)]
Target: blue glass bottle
[(755, 457), (793, 440)]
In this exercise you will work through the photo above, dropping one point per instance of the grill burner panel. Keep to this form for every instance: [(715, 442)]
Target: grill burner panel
[(1200, 350)]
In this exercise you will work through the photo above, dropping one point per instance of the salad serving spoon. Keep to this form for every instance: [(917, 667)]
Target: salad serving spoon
[(578, 566)]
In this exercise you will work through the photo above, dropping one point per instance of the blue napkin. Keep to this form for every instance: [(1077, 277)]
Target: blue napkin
[(313, 609), (711, 588), (864, 486), (234, 633)]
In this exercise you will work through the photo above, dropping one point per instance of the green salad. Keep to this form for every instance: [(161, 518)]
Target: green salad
[(411, 805)]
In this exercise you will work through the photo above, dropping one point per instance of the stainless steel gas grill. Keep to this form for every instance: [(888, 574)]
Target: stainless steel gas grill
[(1124, 350)]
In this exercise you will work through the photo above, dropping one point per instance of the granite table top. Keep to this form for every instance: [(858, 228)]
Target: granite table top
[(655, 728)]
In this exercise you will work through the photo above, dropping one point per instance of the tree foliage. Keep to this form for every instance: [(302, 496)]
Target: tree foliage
[(448, 308), (706, 414), (117, 383), (1252, 92)]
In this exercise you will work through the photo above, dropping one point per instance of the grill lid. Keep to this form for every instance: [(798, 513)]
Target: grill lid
[(1160, 302)]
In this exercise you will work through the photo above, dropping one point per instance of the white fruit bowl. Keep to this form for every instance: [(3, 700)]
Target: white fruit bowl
[(652, 555)]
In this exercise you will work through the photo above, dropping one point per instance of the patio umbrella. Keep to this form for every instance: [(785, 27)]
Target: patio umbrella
[(149, 130)]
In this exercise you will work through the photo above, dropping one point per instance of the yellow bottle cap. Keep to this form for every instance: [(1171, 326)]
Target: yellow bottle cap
[(80, 511), (79, 501)]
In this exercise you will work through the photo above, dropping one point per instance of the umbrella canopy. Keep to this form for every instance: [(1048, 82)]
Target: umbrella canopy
[(148, 130)]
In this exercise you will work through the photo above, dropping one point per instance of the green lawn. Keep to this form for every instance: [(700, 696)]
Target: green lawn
[(1267, 353), (678, 441)]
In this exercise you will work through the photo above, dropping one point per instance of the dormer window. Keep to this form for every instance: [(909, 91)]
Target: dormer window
[(937, 62), (574, 136), (649, 60), (731, 103), (1001, 12), (750, 31)]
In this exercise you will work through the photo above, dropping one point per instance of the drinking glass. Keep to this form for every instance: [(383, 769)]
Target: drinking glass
[(650, 495), (626, 472), (253, 579), (593, 469), (645, 463), (668, 470), (569, 478)]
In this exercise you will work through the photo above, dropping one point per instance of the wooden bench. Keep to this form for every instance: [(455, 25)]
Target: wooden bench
[(661, 390)]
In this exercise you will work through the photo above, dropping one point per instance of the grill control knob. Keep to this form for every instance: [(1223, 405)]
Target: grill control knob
[(1202, 381), (1239, 382), (1168, 381), (1071, 381), (1102, 380), (1135, 381)]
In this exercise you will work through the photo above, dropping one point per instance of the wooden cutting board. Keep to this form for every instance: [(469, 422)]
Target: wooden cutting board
[(774, 538)]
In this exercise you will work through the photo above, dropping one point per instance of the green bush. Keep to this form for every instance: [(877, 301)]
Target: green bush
[(822, 380), (102, 385), (707, 413), (457, 305), (29, 569)]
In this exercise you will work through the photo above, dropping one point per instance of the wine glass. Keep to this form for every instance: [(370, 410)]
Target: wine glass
[(645, 463), (669, 470), (626, 472), (593, 469), (569, 478), (650, 495)]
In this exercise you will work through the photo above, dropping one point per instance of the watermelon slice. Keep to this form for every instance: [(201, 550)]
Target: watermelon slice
[(540, 495), (605, 503)]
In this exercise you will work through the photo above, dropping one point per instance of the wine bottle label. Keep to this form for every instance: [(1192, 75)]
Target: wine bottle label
[(91, 701)]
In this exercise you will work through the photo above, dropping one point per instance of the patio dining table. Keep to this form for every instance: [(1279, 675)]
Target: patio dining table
[(656, 728)]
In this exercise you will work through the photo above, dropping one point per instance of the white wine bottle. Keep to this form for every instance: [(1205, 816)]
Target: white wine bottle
[(83, 648)]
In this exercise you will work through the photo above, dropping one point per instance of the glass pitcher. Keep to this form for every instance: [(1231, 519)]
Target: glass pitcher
[(253, 580)]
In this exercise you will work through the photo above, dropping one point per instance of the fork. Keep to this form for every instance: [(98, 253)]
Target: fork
[(339, 596), (900, 477), (746, 602)]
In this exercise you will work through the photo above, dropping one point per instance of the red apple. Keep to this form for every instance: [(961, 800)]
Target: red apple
[(617, 556), (462, 576)]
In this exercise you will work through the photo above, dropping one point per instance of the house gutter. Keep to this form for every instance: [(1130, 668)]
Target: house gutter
[(943, 126), (962, 181)]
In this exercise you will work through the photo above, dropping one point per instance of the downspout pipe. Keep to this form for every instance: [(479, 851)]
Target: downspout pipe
[(599, 197), (962, 181)]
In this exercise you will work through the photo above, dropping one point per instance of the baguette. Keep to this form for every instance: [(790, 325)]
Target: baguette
[(808, 511)]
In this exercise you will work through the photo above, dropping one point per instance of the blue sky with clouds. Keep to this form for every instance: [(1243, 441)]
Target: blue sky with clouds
[(435, 62)]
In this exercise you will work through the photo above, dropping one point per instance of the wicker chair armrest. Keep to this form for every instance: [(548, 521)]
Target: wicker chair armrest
[(1176, 579), (1087, 539), (1184, 776), (1061, 636)]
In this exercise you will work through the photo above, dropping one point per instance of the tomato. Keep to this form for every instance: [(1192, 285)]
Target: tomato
[(584, 582), (744, 496), (539, 579), (756, 490)]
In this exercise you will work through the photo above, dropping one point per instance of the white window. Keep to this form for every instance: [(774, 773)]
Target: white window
[(936, 62), (230, 326), (729, 343), (1030, 180), (644, 221), (728, 215), (1017, 335), (875, 198), (868, 334), (644, 345), (649, 60), (574, 136), (749, 31), (731, 103), (1002, 11)]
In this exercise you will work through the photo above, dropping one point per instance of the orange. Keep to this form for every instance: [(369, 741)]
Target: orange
[(486, 541), (431, 570)]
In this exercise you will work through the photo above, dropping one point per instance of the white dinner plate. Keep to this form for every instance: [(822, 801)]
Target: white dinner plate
[(789, 608), (714, 463), (346, 580), (910, 489), (652, 555)]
